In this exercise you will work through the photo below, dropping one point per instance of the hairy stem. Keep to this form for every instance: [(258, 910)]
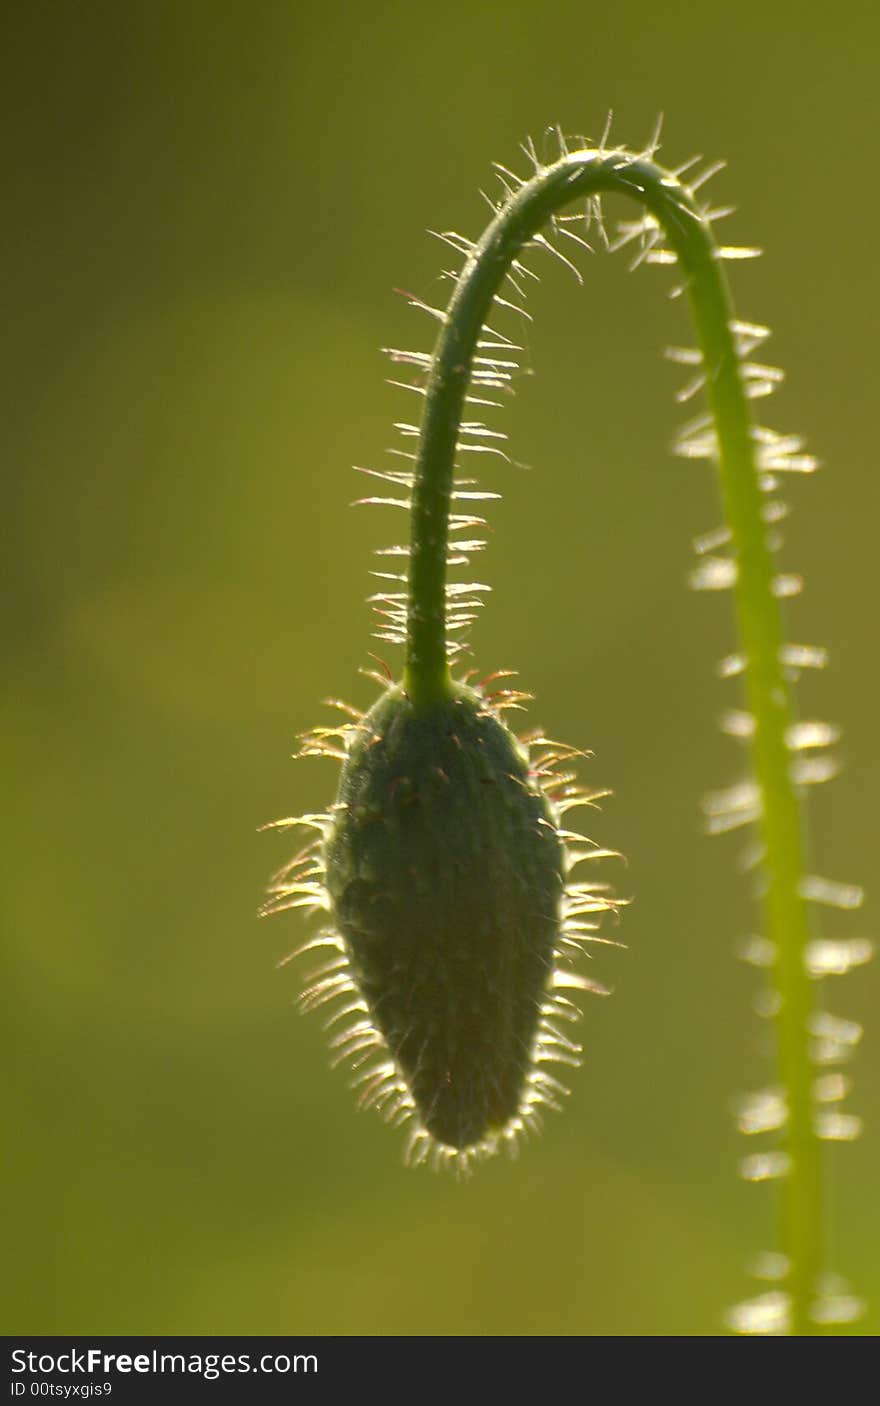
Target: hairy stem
[(585, 174)]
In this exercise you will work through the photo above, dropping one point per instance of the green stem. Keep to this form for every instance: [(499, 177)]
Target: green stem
[(584, 174)]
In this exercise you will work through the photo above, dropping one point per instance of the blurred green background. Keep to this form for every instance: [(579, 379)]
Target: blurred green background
[(207, 207)]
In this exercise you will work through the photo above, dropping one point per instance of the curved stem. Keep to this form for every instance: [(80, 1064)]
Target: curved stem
[(585, 174)]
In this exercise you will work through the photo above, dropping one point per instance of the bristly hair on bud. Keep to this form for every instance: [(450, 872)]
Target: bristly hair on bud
[(442, 870), (446, 872)]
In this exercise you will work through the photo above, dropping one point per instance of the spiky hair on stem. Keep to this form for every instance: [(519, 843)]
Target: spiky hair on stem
[(443, 864)]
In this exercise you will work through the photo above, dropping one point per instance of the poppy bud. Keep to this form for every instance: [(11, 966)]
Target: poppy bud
[(445, 875)]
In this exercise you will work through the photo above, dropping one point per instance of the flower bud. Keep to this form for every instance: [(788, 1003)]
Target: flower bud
[(444, 871)]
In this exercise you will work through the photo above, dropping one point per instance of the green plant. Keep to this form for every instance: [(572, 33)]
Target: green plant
[(444, 863)]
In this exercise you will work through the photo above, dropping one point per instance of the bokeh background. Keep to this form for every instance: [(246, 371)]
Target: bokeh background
[(206, 209)]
